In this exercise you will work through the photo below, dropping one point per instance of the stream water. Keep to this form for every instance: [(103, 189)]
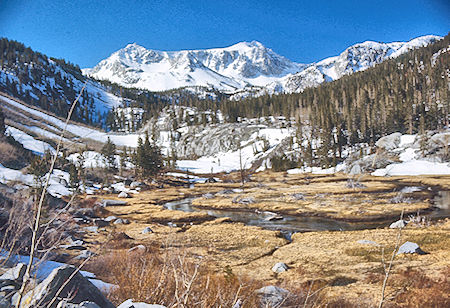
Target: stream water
[(289, 224)]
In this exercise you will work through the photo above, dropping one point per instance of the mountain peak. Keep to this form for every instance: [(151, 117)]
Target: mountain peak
[(240, 65)]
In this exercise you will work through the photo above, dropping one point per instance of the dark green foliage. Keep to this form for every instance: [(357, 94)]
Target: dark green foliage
[(408, 94), (109, 153), (148, 158), (45, 82), (74, 180)]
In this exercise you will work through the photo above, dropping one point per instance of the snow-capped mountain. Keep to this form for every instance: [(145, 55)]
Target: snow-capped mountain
[(354, 59), (240, 66), (229, 69)]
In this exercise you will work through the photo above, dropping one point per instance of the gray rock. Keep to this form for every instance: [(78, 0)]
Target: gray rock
[(208, 196), (79, 289), (389, 142), (272, 296), (110, 218), (15, 273), (91, 229), (398, 224), (121, 221), (130, 304), (101, 222), (280, 267), (138, 248), (298, 196), (135, 184), (84, 255), (113, 203), (238, 304), (273, 217), (123, 195), (147, 230), (355, 170), (410, 247)]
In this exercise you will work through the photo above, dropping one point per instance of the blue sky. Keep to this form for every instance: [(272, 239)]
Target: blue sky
[(85, 32)]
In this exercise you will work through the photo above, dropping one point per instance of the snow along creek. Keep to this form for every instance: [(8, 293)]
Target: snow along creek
[(290, 224)]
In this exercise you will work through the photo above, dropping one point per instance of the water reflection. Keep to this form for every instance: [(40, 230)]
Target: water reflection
[(291, 224)]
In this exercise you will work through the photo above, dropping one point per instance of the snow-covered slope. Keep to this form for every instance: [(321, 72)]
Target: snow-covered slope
[(56, 124), (240, 66), (52, 84), (356, 58), (229, 68)]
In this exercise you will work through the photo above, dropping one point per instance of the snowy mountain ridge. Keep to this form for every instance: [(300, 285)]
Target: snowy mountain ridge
[(240, 66)]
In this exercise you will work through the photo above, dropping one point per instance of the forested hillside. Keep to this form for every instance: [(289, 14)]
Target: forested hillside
[(406, 94)]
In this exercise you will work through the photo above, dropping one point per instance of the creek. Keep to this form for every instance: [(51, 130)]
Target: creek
[(289, 224)]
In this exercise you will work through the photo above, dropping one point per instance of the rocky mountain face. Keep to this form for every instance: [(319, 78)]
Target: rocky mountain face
[(240, 67)]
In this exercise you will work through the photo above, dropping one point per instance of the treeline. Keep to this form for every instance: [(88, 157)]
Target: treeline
[(406, 94), (152, 103)]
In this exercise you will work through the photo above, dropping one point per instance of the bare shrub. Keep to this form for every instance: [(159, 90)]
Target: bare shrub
[(418, 290), (171, 279)]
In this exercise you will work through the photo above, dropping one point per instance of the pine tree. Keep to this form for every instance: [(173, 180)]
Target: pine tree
[(109, 154), (148, 158)]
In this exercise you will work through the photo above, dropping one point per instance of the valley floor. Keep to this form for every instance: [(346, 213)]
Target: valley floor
[(343, 265)]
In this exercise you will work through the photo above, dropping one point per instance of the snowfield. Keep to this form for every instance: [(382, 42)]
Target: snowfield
[(28, 142), (129, 140)]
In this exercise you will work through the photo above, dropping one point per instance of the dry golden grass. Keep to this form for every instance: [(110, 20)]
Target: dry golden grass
[(173, 280), (351, 274)]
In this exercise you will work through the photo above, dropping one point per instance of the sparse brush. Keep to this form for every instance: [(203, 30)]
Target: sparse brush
[(173, 280)]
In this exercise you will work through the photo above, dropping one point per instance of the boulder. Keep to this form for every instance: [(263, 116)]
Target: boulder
[(79, 289), (130, 304), (123, 195), (138, 248), (389, 142), (147, 230), (110, 218), (398, 224), (280, 267), (121, 221), (410, 247), (272, 296), (15, 273)]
